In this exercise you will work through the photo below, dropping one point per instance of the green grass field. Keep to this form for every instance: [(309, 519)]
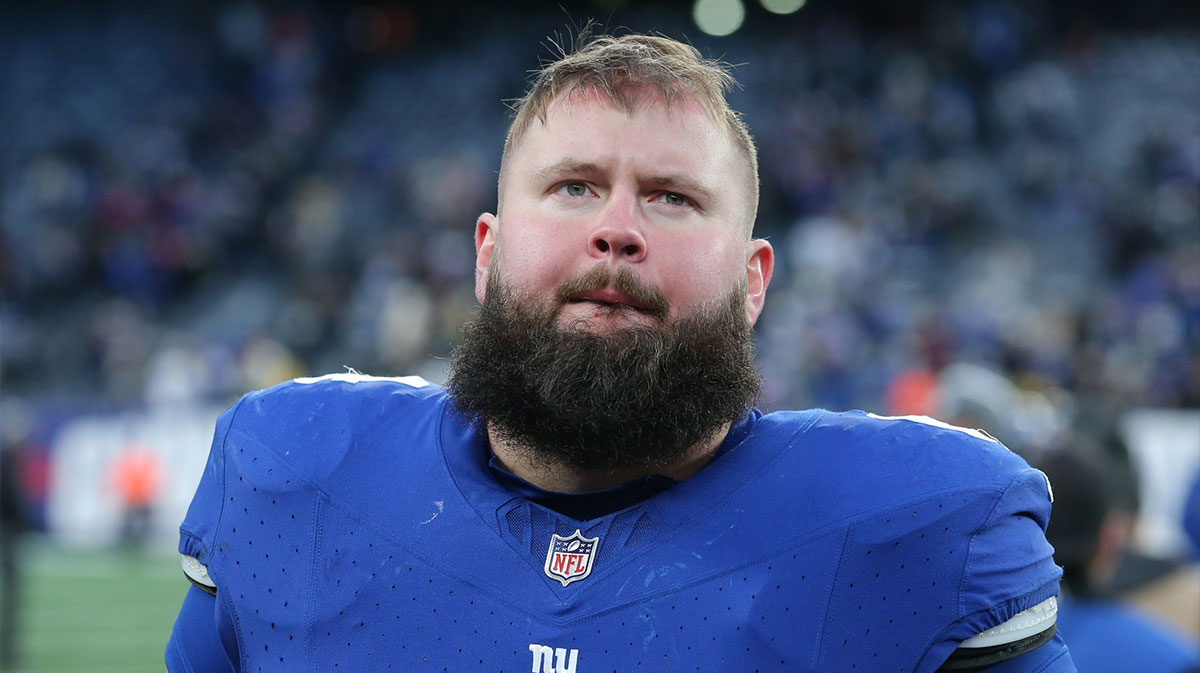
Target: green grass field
[(97, 611)]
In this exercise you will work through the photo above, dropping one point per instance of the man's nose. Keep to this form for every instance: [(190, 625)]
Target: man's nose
[(618, 234)]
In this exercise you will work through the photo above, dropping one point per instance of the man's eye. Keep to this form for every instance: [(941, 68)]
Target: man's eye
[(574, 189), (673, 199)]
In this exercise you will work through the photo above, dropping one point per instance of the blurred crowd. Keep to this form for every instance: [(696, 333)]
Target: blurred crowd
[(978, 208), (987, 211)]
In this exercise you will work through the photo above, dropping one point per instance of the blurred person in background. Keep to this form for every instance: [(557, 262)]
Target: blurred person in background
[(136, 475), (1191, 515), (227, 170), (1090, 533), (593, 487), (12, 529)]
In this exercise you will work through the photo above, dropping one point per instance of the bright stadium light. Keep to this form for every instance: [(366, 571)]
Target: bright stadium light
[(782, 6), (718, 17)]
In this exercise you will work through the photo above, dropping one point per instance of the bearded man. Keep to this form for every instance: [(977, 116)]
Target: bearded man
[(593, 490)]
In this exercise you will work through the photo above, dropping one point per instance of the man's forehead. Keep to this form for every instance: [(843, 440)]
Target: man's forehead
[(558, 139), (631, 98)]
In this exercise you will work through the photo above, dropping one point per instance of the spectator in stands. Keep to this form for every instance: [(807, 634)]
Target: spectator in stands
[(1105, 634), (136, 475), (12, 527)]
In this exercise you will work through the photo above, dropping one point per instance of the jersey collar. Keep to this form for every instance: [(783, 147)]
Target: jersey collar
[(482, 478)]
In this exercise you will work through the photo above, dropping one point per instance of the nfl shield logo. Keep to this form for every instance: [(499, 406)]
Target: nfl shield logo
[(570, 558)]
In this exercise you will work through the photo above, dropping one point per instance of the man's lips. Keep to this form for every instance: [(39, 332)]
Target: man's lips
[(608, 296), (613, 289)]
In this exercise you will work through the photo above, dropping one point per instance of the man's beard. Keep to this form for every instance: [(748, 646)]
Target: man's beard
[(629, 398)]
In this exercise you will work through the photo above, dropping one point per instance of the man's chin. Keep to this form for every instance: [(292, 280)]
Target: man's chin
[(594, 387)]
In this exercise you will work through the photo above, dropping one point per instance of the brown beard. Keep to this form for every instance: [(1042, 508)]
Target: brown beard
[(633, 397)]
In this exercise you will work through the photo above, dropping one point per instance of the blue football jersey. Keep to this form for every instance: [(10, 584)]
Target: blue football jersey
[(354, 523)]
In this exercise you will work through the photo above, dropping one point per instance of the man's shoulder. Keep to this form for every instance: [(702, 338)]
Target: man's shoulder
[(346, 385), (850, 464), (334, 399), (917, 444), (313, 424), (925, 430)]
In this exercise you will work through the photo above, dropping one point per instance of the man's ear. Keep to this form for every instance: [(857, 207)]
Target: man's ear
[(485, 244), (760, 264)]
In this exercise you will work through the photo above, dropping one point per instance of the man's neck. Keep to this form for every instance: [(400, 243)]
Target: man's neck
[(516, 459)]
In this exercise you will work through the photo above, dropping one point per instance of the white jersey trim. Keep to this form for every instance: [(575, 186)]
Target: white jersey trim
[(1024, 624), (355, 377), (926, 420), (196, 571)]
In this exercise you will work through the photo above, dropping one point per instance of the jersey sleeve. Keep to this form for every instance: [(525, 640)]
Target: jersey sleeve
[(1052, 657), (1010, 568), (198, 531), (203, 639)]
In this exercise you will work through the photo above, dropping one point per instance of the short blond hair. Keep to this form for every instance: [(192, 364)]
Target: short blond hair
[(622, 69)]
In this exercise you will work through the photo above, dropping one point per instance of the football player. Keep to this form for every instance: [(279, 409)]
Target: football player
[(593, 490)]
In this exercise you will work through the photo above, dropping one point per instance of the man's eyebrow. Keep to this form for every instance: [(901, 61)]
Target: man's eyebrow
[(682, 184), (566, 167), (672, 182)]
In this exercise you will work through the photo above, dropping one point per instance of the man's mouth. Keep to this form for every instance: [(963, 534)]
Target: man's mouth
[(608, 297), (613, 291)]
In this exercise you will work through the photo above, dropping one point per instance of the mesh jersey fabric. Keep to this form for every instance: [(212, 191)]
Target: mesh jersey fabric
[(353, 524)]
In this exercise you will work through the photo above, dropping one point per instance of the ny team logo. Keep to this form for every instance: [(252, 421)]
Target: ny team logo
[(570, 559)]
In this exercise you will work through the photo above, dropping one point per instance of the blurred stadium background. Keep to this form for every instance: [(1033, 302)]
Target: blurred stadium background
[(986, 211)]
